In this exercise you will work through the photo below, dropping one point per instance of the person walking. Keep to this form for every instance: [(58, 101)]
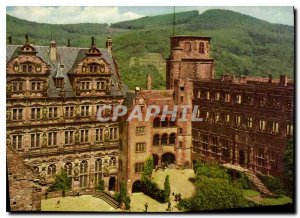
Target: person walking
[(146, 207), (58, 204)]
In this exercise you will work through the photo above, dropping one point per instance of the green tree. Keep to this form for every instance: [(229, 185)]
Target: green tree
[(289, 167), (123, 195), (148, 168), (167, 188), (101, 186), (62, 182), (213, 194)]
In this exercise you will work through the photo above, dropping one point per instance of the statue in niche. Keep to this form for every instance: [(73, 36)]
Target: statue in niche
[(77, 111), (43, 174), (44, 140), (8, 140), (8, 114), (76, 170), (44, 113)]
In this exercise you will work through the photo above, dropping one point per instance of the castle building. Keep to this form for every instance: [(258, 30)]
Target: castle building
[(53, 94)]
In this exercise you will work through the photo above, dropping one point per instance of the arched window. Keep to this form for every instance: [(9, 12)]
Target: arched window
[(165, 123), (172, 139), (156, 122), (156, 139), (201, 48), (68, 168), (112, 161), (172, 123), (164, 139), (84, 167), (187, 46), (98, 165), (51, 169)]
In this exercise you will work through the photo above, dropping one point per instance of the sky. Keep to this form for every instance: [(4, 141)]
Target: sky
[(65, 15)]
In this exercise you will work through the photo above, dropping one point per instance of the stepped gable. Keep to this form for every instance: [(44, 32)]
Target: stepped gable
[(24, 189)]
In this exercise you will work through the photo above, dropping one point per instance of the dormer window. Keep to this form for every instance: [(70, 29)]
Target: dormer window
[(93, 68), (201, 48), (17, 86), (85, 85), (27, 67), (101, 85)]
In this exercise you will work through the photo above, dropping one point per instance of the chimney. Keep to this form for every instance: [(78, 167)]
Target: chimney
[(137, 90), (109, 43), (149, 82), (69, 43), (52, 51), (10, 40), (283, 80)]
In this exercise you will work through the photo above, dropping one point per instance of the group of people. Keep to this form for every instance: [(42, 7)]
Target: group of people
[(177, 197)]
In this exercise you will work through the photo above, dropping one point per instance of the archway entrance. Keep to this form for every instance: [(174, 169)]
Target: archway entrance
[(168, 158), (112, 184), (155, 159), (137, 186), (242, 158)]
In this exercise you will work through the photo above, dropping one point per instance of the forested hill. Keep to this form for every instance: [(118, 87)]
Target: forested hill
[(241, 44)]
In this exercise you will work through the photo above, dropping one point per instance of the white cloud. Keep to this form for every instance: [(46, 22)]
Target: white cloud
[(64, 15)]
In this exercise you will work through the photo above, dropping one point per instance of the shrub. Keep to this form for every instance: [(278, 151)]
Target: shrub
[(167, 188), (274, 184), (151, 189)]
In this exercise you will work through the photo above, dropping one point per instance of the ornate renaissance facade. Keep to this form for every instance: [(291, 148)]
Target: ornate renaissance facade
[(53, 94)]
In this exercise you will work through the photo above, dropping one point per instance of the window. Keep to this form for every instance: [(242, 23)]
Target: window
[(52, 112), (206, 116), (207, 95), (69, 137), (181, 99), (164, 139), (83, 178), (17, 114), (180, 131), (113, 133), (201, 48), (85, 111), (93, 68), (156, 139), (36, 86), (199, 94), (27, 68), (85, 85), (84, 135), (52, 138), (17, 141), (98, 170), (262, 125), (140, 147), (69, 111), (204, 142), (187, 46), (217, 96), (249, 123), (260, 157), (100, 85), (156, 122), (140, 130), (68, 168), (180, 144), (217, 118), (51, 169), (227, 119), (237, 120), (172, 139), (139, 167), (99, 135), (36, 113), (227, 97), (17, 86), (289, 129), (35, 140), (275, 128), (214, 146), (239, 99), (225, 148)]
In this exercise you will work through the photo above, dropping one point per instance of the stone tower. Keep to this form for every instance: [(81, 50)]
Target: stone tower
[(189, 58)]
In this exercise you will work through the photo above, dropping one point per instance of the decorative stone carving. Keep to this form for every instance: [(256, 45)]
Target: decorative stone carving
[(44, 140), (77, 136), (44, 113)]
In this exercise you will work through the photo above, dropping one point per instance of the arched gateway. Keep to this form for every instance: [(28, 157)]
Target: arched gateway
[(168, 158)]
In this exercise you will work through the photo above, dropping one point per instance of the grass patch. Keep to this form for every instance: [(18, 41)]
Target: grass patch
[(277, 201), (250, 193)]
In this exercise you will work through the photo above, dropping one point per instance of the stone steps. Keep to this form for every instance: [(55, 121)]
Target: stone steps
[(258, 184), (108, 199)]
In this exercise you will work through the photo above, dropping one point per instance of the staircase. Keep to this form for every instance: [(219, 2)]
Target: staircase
[(252, 177), (107, 198), (258, 184)]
